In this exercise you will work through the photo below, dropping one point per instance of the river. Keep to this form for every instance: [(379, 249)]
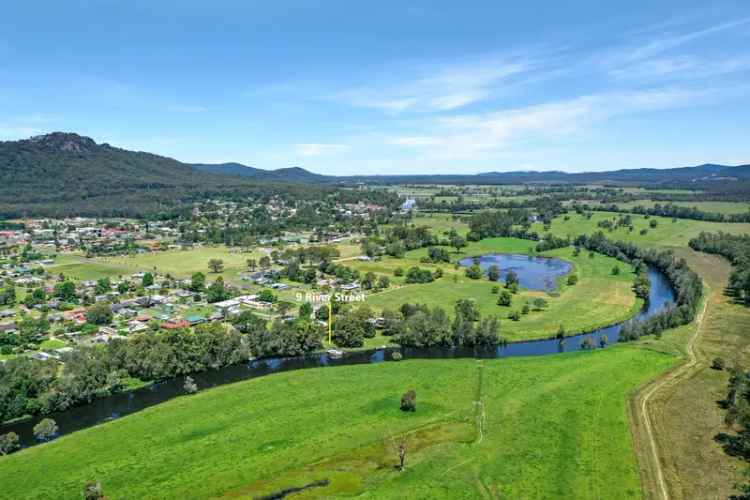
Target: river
[(118, 405)]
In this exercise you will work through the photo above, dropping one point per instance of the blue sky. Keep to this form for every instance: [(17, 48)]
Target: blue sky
[(387, 87)]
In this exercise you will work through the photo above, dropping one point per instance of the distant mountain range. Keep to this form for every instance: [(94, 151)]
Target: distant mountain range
[(699, 174), (67, 173), (292, 174)]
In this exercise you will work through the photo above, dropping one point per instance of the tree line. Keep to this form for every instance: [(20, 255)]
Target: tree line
[(30, 387), (686, 283)]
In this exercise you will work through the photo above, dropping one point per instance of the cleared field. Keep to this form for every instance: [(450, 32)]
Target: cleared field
[(720, 207), (81, 268), (686, 414), (667, 233), (184, 263), (551, 427), (439, 223), (599, 298)]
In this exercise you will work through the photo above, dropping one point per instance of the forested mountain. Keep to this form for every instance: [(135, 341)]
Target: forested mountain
[(64, 174)]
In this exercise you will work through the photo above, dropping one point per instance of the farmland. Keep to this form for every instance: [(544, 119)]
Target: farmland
[(503, 435)]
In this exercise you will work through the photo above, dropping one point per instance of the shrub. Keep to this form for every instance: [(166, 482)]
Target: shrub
[(93, 491), (718, 364), (190, 386), (505, 299), (474, 272), (9, 443), (514, 315), (45, 429), (397, 356), (572, 279), (409, 401)]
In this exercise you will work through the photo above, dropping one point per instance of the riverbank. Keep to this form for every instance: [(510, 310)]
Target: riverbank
[(264, 435)]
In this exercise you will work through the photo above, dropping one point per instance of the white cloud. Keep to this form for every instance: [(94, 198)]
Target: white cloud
[(312, 149), (477, 136), (436, 88)]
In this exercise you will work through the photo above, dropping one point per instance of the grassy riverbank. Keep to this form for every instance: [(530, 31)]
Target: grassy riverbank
[(552, 426)]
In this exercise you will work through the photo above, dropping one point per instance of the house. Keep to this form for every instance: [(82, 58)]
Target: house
[(136, 326), (8, 328), (7, 313), (126, 312), (377, 322), (195, 319), (226, 307), (106, 330), (175, 324), (41, 356), (105, 338), (77, 316), (408, 205)]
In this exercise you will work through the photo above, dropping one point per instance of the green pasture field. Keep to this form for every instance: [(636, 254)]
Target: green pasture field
[(599, 299), (184, 263), (668, 233), (547, 427)]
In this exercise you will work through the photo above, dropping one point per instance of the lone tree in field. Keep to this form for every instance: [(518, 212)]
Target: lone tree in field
[(93, 491), (45, 429), (9, 443), (457, 242), (216, 265), (409, 401), (402, 453), (493, 273), (252, 264), (190, 386)]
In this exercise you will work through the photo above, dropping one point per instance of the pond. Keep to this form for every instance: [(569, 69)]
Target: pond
[(534, 273), (119, 405)]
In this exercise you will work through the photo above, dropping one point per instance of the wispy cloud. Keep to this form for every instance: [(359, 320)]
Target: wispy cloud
[(471, 136), (670, 41), (313, 149), (441, 87), (673, 55), (680, 67)]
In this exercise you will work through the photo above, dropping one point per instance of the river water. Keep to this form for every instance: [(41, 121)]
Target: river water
[(119, 405)]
